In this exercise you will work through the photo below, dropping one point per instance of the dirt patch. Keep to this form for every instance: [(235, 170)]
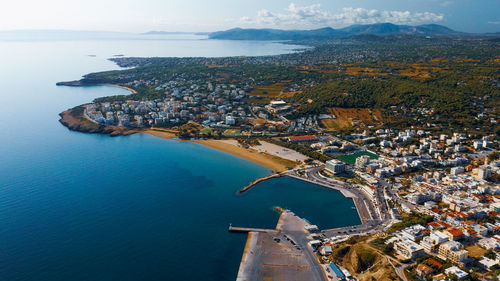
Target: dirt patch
[(271, 91), (346, 118), (475, 251), (363, 261)]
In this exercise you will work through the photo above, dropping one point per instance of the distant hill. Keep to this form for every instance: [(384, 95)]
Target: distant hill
[(276, 34), (379, 29)]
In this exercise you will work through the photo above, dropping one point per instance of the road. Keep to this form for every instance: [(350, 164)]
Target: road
[(385, 184)]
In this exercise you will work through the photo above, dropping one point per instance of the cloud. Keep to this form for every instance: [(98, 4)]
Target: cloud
[(314, 16), (447, 3)]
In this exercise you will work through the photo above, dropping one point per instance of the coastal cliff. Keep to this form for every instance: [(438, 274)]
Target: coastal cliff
[(74, 120)]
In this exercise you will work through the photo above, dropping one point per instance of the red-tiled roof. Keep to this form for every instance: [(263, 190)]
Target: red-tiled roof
[(434, 224), (455, 232), (471, 231), (425, 269), (435, 263), (444, 224), (309, 137)]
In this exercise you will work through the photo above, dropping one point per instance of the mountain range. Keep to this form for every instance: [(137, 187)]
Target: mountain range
[(379, 29)]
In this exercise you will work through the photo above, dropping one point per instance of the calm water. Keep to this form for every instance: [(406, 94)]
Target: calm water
[(76, 206)]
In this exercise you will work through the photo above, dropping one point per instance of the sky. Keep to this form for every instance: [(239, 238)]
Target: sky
[(213, 15)]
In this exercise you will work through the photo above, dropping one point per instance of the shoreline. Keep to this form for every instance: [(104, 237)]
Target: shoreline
[(263, 159), (120, 86), (79, 83), (276, 164), (77, 122)]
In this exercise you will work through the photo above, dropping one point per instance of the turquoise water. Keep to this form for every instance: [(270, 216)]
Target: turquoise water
[(77, 206)]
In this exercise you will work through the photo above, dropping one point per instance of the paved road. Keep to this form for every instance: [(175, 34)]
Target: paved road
[(385, 184)]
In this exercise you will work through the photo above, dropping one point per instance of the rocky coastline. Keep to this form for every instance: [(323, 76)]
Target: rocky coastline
[(75, 121)]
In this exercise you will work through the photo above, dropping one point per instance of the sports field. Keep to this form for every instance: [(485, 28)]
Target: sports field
[(351, 158)]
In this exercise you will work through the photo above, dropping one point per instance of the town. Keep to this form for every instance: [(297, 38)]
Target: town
[(422, 164)]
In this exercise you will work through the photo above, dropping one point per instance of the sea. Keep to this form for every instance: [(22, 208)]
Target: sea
[(76, 206)]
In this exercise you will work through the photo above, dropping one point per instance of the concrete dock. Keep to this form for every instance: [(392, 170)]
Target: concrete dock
[(248, 229), (280, 254), (251, 184)]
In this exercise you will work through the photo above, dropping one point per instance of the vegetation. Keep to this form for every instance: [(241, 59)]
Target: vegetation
[(495, 155), (455, 102), (410, 220)]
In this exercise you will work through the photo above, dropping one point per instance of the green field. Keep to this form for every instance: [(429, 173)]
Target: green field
[(232, 133), (206, 131), (351, 159)]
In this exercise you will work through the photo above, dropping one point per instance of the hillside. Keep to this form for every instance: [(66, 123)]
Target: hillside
[(379, 29)]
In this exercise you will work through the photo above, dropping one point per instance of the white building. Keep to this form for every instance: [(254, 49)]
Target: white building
[(438, 237), (230, 120), (408, 249), (457, 271), (335, 166)]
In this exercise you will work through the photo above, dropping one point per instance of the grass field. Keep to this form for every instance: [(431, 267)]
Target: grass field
[(351, 159), (232, 133), (206, 131)]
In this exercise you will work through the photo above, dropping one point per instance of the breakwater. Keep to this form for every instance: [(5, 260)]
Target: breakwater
[(254, 182)]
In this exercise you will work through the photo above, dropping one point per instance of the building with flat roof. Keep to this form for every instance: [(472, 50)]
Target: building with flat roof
[(335, 166), (408, 249), (453, 251), (460, 274)]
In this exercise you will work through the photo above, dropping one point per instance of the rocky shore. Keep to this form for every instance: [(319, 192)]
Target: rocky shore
[(75, 121)]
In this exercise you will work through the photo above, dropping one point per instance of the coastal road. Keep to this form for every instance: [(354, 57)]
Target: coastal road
[(364, 205), (370, 219)]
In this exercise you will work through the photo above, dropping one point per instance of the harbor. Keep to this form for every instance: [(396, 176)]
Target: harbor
[(280, 254)]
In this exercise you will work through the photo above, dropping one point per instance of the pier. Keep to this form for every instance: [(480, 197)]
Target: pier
[(248, 229), (250, 185), (279, 254)]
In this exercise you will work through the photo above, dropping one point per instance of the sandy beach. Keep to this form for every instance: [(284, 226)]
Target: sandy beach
[(161, 133), (122, 87), (275, 163)]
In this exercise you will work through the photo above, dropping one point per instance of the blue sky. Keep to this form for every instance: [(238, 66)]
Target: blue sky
[(212, 15)]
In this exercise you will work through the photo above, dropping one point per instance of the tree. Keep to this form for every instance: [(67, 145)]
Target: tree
[(493, 156), (490, 254)]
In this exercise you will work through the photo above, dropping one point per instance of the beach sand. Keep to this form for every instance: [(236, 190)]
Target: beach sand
[(123, 87), (160, 133), (275, 163)]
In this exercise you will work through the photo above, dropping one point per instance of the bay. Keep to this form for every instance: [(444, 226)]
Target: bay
[(76, 206)]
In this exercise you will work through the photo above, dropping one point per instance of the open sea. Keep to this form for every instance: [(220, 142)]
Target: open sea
[(76, 206)]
